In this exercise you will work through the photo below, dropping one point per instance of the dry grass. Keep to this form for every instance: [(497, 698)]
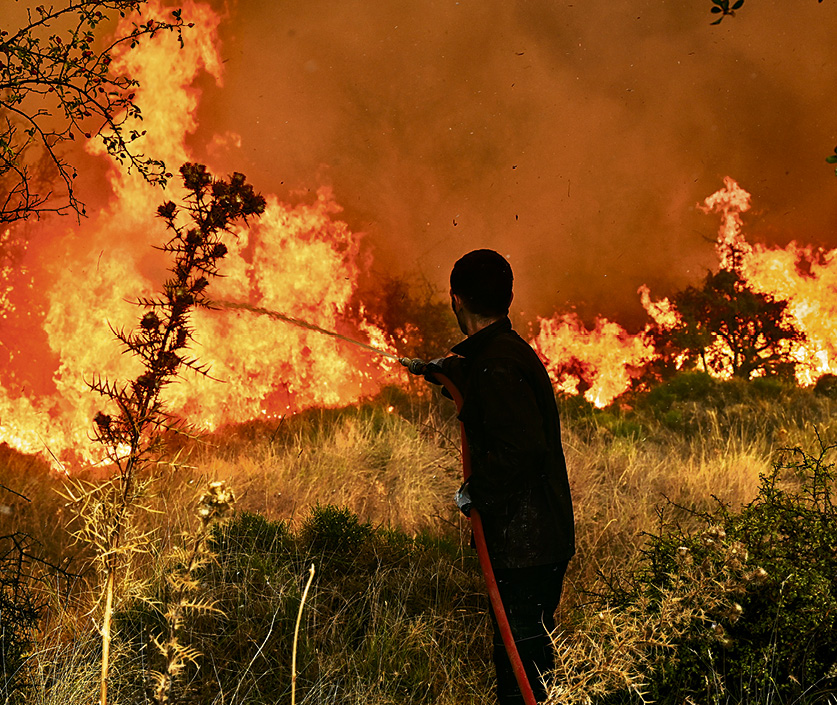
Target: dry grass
[(397, 465), (382, 466), (619, 484)]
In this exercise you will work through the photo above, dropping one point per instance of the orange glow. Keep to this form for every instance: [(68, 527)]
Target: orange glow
[(598, 363), (63, 284), (298, 259), (601, 363), (813, 300)]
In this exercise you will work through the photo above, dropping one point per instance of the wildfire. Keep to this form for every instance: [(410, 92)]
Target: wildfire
[(60, 296), (598, 363), (807, 278), (602, 362), (62, 287)]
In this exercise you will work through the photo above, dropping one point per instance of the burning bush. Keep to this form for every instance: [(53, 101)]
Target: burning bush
[(728, 328)]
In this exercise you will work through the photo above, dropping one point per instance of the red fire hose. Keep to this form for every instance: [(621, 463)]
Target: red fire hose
[(485, 562)]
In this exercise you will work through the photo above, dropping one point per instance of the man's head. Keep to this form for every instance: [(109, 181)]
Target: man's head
[(481, 281)]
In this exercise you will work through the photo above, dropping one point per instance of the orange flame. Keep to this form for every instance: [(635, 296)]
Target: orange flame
[(61, 287), (598, 363), (730, 201), (812, 295), (300, 260), (602, 362)]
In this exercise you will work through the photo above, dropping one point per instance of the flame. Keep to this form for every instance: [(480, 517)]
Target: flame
[(730, 201), (662, 312), (804, 277), (598, 363), (60, 296), (63, 286), (602, 362), (812, 296)]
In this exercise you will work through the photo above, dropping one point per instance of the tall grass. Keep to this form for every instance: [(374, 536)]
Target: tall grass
[(382, 466), (401, 617)]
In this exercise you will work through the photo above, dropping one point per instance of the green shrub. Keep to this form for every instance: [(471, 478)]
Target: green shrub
[(686, 386), (574, 407), (826, 386), (769, 387), (251, 532), (745, 609), (389, 619), (330, 529)]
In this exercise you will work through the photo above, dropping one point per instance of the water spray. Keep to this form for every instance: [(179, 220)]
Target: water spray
[(413, 365), (418, 367)]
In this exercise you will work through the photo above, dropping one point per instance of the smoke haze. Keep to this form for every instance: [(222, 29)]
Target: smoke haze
[(574, 137)]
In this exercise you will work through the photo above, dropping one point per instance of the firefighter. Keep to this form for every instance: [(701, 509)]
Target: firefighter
[(518, 479)]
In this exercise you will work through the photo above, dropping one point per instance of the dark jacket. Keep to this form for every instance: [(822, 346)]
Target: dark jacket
[(519, 476)]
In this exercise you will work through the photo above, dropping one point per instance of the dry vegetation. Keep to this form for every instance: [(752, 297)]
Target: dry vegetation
[(396, 613)]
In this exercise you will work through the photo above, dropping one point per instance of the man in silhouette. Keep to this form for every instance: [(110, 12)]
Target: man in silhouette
[(519, 480)]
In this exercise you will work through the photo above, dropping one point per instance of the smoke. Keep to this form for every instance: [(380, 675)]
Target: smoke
[(575, 137)]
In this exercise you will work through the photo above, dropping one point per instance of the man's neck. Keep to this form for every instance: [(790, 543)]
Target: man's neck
[(474, 324)]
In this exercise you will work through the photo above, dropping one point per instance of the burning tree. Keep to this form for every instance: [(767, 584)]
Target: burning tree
[(56, 85), (727, 327), (415, 315)]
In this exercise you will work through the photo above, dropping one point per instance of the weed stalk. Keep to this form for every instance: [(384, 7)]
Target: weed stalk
[(133, 433)]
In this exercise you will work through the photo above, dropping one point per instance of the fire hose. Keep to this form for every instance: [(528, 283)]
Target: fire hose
[(417, 367)]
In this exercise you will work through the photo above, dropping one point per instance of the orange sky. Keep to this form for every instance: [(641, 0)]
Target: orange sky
[(575, 137)]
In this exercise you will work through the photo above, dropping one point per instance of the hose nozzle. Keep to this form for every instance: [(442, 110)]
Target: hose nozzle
[(414, 366)]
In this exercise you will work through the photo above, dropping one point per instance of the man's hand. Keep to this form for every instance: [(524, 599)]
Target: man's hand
[(462, 497), (431, 368), (425, 369)]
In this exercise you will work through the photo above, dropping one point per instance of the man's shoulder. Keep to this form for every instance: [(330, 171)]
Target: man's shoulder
[(510, 356), (508, 346)]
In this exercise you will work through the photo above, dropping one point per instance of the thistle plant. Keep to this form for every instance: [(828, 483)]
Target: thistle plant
[(182, 595), (741, 609), (622, 645), (133, 430)]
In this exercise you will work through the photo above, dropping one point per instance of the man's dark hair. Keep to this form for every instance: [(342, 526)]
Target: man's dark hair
[(483, 280)]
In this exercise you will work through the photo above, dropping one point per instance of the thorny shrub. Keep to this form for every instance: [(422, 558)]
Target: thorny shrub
[(134, 429), (742, 610), (390, 618), (19, 611)]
